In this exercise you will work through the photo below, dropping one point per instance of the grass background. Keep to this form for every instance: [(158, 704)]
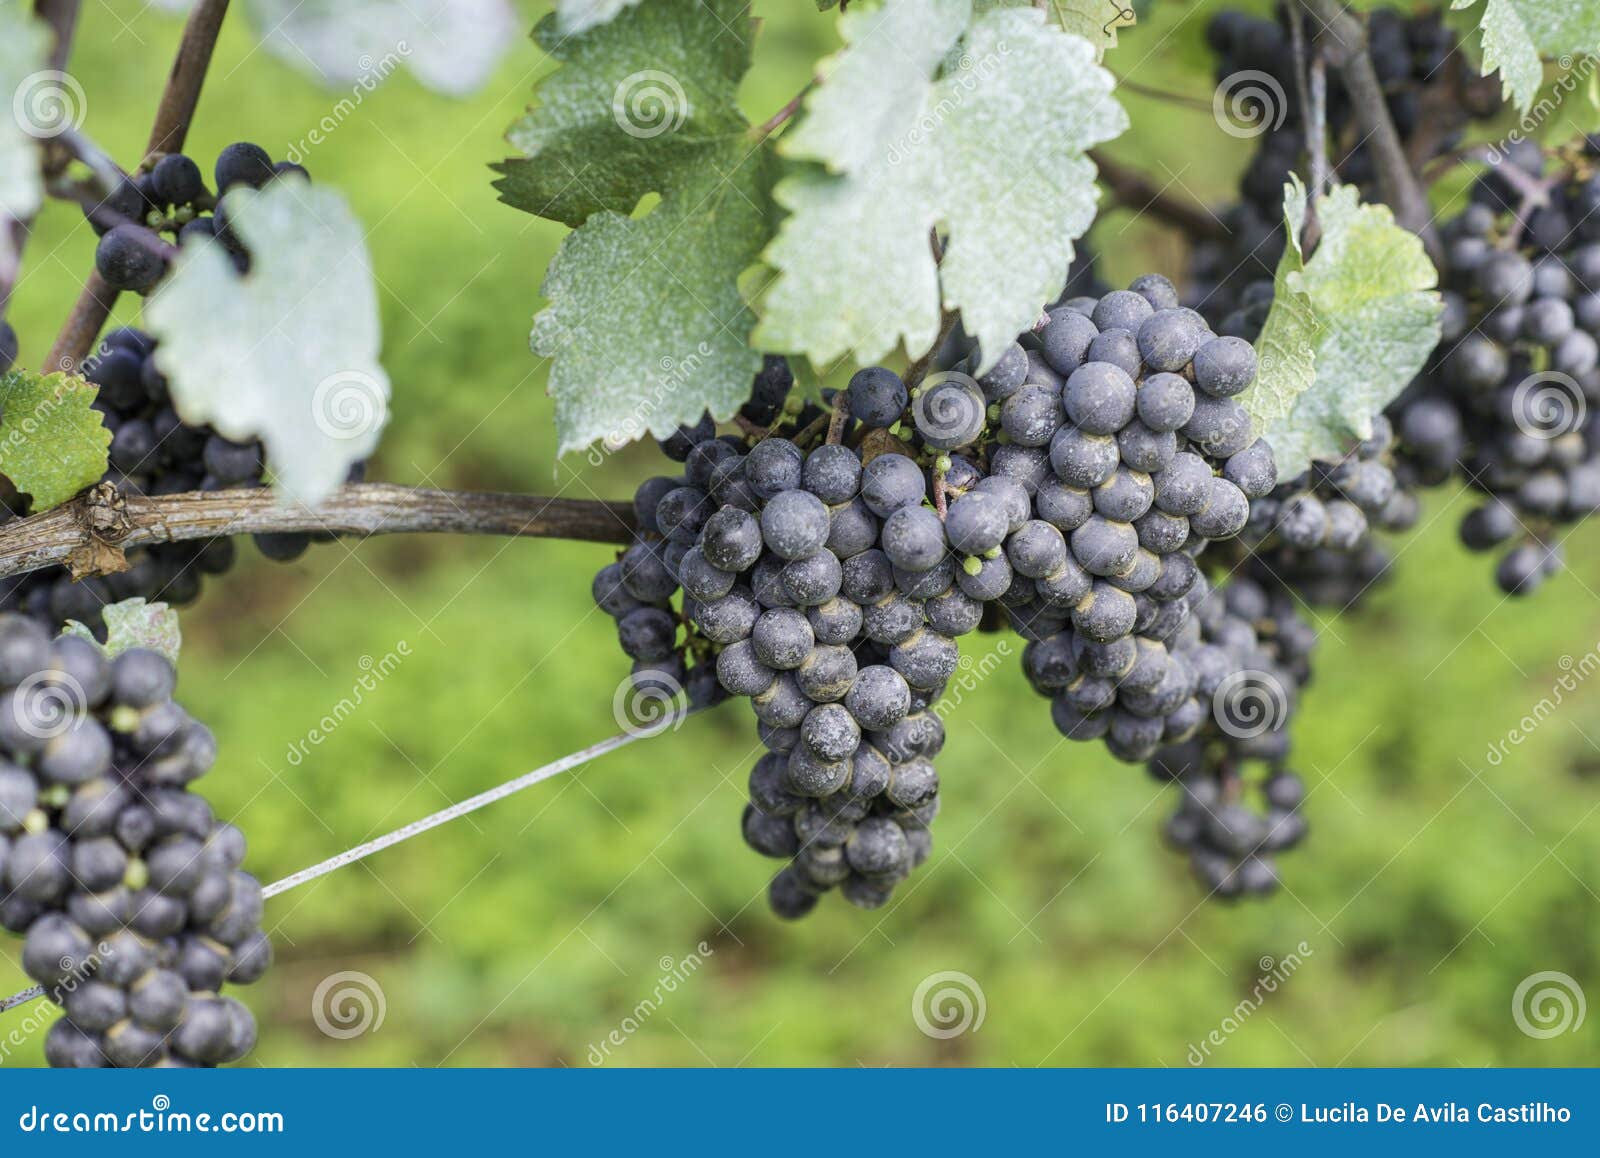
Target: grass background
[(1431, 885)]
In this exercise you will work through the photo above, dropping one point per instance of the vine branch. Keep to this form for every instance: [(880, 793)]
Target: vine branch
[(1315, 124), (90, 533), (777, 120), (174, 114), (1346, 40), (1133, 190)]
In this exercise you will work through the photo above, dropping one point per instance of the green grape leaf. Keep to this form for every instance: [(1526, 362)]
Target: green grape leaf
[(1286, 346), (1517, 33), (134, 623), (982, 136), (581, 15), (646, 326), (24, 42), (52, 445), (1097, 21), (287, 353), (1348, 328)]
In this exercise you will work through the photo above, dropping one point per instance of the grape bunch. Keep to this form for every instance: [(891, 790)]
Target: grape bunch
[(8, 346), (153, 452), (125, 886), (171, 200), (819, 588), (1316, 534), (1145, 458), (1252, 651), (829, 567), (1504, 404)]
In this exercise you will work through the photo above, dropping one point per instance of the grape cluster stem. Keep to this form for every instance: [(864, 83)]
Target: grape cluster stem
[(1343, 39), (173, 115)]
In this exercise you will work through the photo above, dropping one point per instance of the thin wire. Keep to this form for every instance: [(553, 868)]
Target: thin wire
[(445, 816)]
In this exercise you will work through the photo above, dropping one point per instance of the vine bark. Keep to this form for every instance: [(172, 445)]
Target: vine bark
[(89, 534)]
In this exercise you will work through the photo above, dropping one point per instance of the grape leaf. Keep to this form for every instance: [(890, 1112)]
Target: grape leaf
[(581, 15), (646, 325), (451, 46), (134, 623), (1348, 328), (288, 353), (1286, 346), (52, 444), (990, 149), (1517, 33), (1096, 21), (23, 44)]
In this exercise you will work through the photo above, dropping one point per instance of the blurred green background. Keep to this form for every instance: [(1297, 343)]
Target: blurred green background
[(1431, 885)]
